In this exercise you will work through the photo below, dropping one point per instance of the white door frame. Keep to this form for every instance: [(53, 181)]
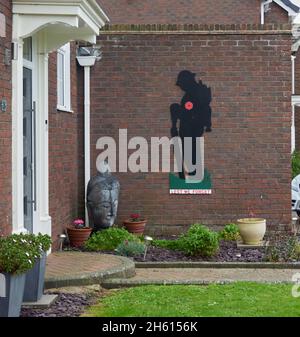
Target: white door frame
[(39, 66)]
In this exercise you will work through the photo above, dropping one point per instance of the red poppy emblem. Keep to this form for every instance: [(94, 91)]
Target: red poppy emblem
[(189, 105)]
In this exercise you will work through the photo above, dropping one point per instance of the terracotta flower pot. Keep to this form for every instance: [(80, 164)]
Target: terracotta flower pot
[(77, 237), (252, 230), (135, 227)]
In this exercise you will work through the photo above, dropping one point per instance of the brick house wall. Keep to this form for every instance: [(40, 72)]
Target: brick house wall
[(276, 14), (5, 124), (181, 11), (65, 151), (248, 152)]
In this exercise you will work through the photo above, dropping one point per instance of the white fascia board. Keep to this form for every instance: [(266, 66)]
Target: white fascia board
[(290, 11), (89, 12)]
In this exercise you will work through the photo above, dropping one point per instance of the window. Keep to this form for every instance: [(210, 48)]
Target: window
[(63, 78)]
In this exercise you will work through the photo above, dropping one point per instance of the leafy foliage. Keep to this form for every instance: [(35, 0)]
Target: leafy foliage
[(18, 252), (198, 240), (295, 164), (131, 248), (168, 244), (230, 232), (108, 239)]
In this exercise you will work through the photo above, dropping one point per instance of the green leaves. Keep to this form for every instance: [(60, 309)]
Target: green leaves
[(230, 232), (131, 248), (295, 164), (18, 252), (198, 240), (108, 239)]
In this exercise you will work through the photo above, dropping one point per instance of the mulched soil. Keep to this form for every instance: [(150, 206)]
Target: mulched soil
[(228, 252), (66, 305)]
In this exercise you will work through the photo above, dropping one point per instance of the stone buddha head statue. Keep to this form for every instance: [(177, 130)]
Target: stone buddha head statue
[(102, 199)]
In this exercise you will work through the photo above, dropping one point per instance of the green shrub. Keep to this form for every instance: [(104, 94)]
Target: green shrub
[(131, 248), (295, 164), (109, 239), (168, 244), (199, 240), (230, 232)]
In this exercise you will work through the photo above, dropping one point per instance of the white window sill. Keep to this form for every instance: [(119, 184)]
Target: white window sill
[(64, 109)]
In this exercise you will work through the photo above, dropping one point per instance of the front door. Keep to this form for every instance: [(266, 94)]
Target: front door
[(28, 115)]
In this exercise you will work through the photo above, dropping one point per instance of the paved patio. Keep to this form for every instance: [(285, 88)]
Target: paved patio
[(80, 268)]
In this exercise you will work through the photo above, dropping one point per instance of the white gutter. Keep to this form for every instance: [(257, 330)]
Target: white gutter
[(87, 62), (293, 57)]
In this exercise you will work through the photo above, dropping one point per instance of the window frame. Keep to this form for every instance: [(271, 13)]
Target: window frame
[(64, 102)]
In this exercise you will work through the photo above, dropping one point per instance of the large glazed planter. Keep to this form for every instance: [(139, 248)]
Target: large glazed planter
[(78, 237), (11, 294), (135, 227), (252, 230), (35, 277)]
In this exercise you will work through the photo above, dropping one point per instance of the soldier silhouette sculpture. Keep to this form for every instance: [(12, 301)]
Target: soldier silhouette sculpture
[(193, 113)]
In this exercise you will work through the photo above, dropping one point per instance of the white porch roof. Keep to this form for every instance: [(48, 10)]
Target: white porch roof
[(60, 21)]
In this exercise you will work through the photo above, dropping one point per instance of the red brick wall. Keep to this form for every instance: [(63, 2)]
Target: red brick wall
[(5, 125), (276, 14), (65, 152), (248, 152), (188, 11)]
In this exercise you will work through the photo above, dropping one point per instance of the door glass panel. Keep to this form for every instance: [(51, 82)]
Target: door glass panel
[(27, 149), (27, 49)]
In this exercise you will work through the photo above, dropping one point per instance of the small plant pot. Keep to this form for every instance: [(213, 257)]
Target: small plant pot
[(11, 294), (252, 230), (78, 237), (135, 227), (35, 277)]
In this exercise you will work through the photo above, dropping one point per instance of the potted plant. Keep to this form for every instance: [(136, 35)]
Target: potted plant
[(35, 277), (78, 233), (135, 224), (16, 258), (252, 229)]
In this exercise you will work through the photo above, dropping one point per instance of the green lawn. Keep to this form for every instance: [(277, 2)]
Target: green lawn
[(238, 299)]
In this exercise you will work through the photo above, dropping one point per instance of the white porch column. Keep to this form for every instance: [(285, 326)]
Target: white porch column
[(43, 223), (17, 130)]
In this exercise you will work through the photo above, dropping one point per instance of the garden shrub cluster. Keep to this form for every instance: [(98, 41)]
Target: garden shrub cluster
[(199, 239), (109, 239)]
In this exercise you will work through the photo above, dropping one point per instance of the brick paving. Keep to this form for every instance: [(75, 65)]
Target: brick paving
[(79, 268), (78, 263)]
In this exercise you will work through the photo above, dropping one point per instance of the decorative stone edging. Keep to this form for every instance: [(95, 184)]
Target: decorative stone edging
[(186, 264), (126, 270)]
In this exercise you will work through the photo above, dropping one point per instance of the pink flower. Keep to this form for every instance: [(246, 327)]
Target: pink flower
[(135, 216)]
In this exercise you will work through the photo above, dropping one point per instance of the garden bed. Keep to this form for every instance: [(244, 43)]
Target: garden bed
[(279, 249)]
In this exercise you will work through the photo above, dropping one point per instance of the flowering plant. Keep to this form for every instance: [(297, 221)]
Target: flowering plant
[(18, 252), (136, 217), (78, 223)]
